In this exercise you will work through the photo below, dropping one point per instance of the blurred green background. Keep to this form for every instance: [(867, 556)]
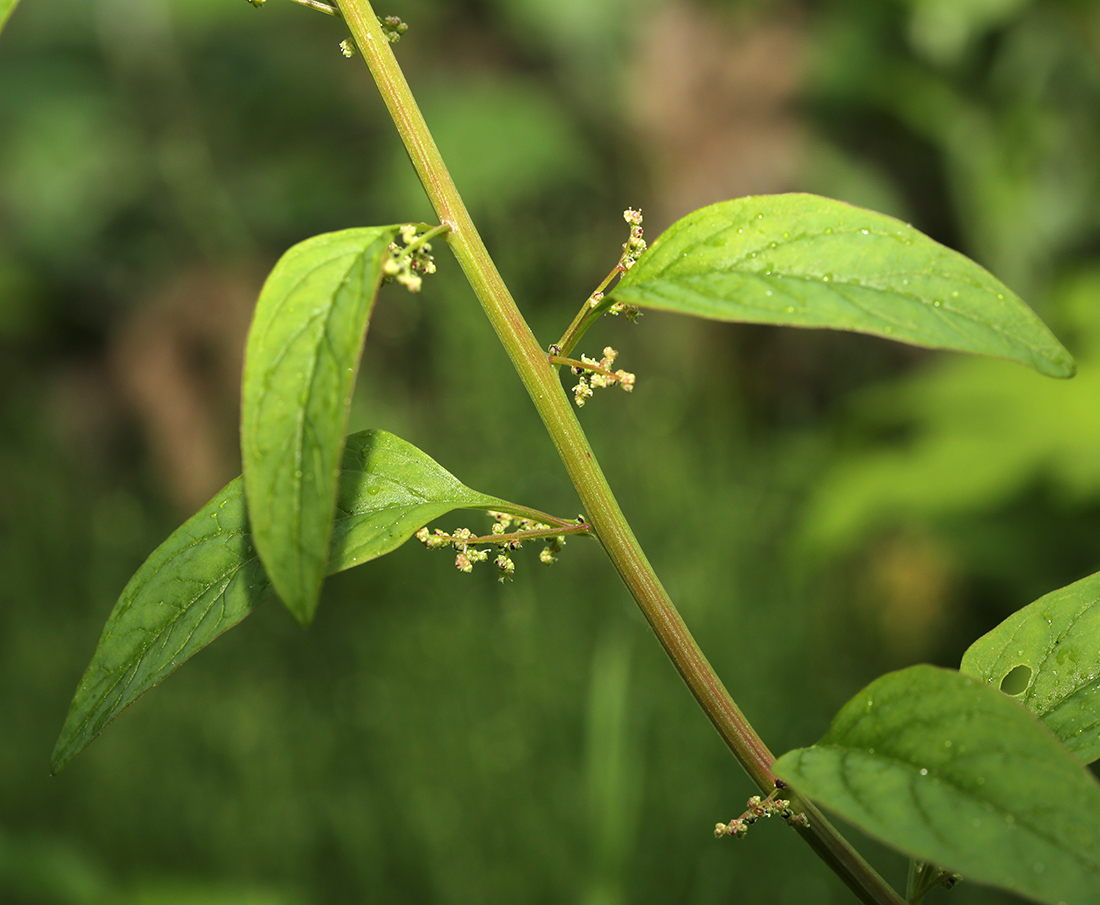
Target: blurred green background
[(823, 507)]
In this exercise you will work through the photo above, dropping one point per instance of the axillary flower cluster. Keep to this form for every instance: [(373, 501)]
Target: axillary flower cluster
[(592, 373), (758, 807), (408, 263), (392, 26), (471, 549)]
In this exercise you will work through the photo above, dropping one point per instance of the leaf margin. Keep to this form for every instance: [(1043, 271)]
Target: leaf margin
[(644, 285), (290, 447), (1079, 795), (228, 505), (1054, 624)]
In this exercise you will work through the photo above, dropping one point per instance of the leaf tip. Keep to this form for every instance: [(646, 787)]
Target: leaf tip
[(1052, 359), (302, 606), (1063, 368), (64, 751)]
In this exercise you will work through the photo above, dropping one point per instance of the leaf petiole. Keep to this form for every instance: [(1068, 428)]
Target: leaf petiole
[(579, 366)]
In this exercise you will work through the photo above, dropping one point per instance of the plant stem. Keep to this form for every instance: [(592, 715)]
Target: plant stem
[(602, 510)]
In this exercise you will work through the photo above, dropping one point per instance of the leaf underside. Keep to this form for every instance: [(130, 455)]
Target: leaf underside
[(206, 577), (955, 773), (1056, 640), (805, 261), (301, 358)]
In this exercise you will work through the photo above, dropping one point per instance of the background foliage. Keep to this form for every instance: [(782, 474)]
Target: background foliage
[(823, 507)]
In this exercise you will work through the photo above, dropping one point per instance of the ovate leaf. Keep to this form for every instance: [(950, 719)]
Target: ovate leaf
[(804, 261), (300, 363), (206, 577), (955, 773), (1050, 652)]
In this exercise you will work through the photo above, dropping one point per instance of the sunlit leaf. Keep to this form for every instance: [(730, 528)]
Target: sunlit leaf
[(1051, 648), (804, 261), (206, 577), (300, 363), (7, 7), (389, 489), (955, 773)]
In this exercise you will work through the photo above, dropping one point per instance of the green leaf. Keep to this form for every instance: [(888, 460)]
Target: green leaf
[(7, 7), (206, 577), (389, 490), (300, 363), (199, 583), (804, 261), (1052, 649), (955, 773)]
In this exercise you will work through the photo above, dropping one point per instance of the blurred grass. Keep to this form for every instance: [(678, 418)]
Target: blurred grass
[(436, 737)]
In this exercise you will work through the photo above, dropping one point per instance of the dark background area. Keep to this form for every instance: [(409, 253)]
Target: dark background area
[(823, 507)]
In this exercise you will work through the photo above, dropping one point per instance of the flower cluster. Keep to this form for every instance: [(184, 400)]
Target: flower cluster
[(632, 250), (635, 245), (631, 312), (468, 554), (756, 808), (392, 27), (407, 264), (594, 375)]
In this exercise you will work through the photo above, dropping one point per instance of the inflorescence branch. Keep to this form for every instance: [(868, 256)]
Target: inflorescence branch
[(758, 807), (466, 543), (595, 306), (594, 375)]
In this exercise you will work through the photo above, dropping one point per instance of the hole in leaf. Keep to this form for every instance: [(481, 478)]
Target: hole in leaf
[(1016, 680)]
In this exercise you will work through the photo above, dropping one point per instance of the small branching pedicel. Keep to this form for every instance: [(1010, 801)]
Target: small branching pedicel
[(594, 374), (469, 547), (758, 807)]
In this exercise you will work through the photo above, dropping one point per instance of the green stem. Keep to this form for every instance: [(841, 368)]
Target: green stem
[(601, 508)]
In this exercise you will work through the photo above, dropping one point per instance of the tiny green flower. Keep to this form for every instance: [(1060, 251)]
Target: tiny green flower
[(505, 566), (409, 261), (393, 28), (635, 245), (581, 392)]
